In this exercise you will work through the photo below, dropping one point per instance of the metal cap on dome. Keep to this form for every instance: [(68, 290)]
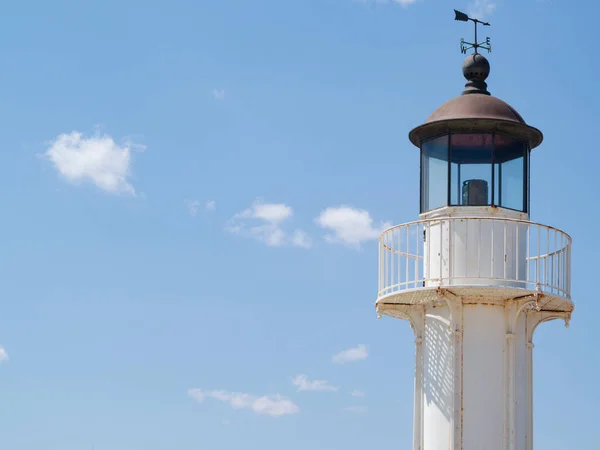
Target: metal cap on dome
[(476, 69), (476, 110)]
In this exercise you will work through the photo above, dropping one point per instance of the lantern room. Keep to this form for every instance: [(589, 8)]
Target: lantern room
[(474, 169), (475, 149)]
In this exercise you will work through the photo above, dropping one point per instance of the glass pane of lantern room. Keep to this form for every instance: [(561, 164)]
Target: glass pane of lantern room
[(434, 173), (471, 169), (509, 162)]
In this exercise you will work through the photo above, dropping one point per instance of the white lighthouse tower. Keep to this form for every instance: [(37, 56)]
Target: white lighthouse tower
[(474, 276)]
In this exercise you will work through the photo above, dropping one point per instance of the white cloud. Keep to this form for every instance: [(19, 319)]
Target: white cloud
[(351, 355), (357, 409), (274, 406), (218, 94), (97, 159), (3, 354), (357, 394), (267, 228), (349, 226), (269, 212), (197, 394), (301, 239), (481, 9), (193, 206), (304, 384)]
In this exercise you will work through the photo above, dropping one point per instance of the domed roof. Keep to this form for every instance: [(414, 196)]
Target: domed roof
[(475, 106), (476, 111)]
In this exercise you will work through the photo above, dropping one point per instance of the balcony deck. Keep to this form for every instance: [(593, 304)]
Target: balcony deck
[(496, 259)]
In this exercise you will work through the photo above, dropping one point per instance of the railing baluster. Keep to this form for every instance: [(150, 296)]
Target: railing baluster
[(528, 259), (554, 265), (379, 282), (407, 254), (492, 265), (441, 222), (466, 274), (397, 259), (569, 266), (517, 245), (505, 254), (387, 264), (417, 248), (550, 262), (449, 273), (480, 225), (567, 248), (427, 248), (539, 253), (546, 265), (559, 266), (393, 254), (400, 254)]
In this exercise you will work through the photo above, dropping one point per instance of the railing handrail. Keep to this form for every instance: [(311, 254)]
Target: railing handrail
[(495, 219)]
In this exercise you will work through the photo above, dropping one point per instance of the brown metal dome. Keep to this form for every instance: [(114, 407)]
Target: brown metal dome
[(476, 111), (475, 106)]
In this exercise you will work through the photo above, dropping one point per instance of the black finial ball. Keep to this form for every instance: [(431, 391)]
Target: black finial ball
[(476, 67)]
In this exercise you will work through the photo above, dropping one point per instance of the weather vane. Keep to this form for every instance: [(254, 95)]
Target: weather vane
[(464, 46)]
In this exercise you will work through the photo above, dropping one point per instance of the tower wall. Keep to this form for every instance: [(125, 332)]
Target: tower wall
[(483, 367), (475, 252), (438, 379), (523, 387), (474, 386)]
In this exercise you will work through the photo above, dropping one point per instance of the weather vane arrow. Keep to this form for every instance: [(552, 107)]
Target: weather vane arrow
[(464, 46)]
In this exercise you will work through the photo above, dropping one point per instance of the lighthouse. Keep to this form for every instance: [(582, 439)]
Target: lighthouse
[(474, 276)]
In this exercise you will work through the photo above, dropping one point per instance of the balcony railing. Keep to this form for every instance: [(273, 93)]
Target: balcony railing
[(465, 251)]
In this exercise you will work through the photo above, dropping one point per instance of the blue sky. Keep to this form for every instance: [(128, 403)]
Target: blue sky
[(192, 192)]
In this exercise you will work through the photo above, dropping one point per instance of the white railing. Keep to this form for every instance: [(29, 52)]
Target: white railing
[(475, 251)]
